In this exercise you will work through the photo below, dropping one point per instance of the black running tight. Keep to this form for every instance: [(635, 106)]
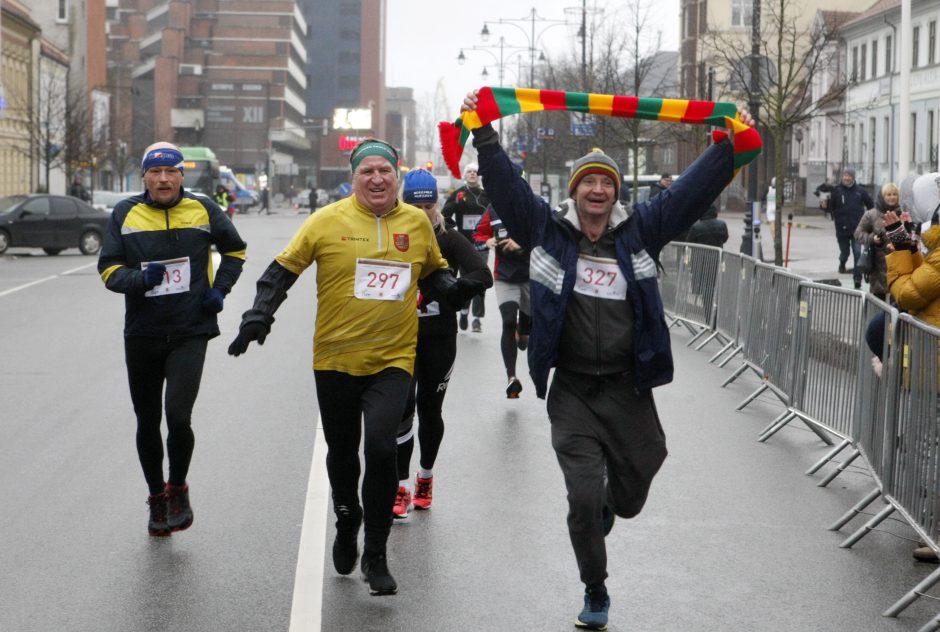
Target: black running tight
[(349, 404), (507, 341), (151, 362), (434, 362)]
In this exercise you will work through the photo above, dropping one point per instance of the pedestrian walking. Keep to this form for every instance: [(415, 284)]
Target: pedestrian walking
[(848, 202), (511, 274), (870, 234), (465, 206), (665, 181), (434, 354), (370, 250), (598, 320), (78, 190), (265, 195), (157, 254)]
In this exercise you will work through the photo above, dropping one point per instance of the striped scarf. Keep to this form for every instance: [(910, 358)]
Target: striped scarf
[(495, 103)]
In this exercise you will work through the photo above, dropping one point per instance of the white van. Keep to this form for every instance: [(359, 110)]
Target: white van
[(245, 198)]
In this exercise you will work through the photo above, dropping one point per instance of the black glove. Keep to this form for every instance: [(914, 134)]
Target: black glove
[(213, 301), (153, 275), (462, 291), (255, 330)]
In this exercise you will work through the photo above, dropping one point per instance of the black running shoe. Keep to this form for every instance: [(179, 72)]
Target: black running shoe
[(464, 323), (157, 526), (375, 573), (345, 546), (514, 388), (180, 512)]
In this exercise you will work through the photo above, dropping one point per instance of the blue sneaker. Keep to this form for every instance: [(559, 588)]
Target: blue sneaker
[(594, 614)]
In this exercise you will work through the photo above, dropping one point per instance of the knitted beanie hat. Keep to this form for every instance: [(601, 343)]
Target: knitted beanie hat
[(594, 162), (420, 187)]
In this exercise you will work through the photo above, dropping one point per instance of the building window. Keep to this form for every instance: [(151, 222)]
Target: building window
[(931, 137), (863, 63), (874, 59), (62, 13), (932, 42), (914, 136), (741, 12), (888, 47), (855, 63), (886, 146), (915, 44)]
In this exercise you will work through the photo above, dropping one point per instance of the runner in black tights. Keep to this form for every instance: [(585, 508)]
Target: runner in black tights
[(435, 352), (512, 292)]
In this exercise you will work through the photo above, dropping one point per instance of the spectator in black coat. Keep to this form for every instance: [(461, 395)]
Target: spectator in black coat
[(848, 202), (709, 230)]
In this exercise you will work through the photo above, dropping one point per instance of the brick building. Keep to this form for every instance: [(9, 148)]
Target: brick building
[(227, 74)]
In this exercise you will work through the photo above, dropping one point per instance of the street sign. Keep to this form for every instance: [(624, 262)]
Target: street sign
[(582, 124), (547, 133)]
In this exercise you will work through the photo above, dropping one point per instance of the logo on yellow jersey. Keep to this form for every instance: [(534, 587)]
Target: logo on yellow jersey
[(401, 241)]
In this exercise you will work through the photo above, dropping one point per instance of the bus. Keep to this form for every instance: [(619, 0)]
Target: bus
[(200, 170)]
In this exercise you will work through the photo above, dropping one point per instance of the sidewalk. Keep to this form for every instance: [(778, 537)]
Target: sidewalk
[(813, 252)]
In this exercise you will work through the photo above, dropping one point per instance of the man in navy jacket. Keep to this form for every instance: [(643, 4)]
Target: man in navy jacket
[(598, 320)]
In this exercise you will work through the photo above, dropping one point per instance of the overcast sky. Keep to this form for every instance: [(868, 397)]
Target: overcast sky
[(424, 39)]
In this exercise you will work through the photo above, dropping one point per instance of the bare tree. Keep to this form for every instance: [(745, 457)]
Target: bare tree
[(791, 56)]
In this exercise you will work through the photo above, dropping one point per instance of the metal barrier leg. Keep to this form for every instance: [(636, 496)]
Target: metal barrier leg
[(829, 456), (931, 626), (819, 433), (721, 351), (777, 419), (741, 369), (692, 330), (750, 398), (722, 364), (714, 335), (696, 335), (854, 511), (703, 331), (912, 596), (775, 428), (876, 520), (855, 454)]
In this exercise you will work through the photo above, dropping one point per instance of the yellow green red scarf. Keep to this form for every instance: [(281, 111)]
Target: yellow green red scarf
[(495, 103)]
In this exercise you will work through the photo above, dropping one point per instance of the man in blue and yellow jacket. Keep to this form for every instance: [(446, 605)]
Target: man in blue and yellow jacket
[(157, 254)]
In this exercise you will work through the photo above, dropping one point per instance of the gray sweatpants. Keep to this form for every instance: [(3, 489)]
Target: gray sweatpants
[(609, 444)]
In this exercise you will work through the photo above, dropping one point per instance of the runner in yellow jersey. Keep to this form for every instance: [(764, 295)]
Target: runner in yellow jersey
[(371, 250)]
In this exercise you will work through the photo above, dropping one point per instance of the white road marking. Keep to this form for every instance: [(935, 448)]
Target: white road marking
[(48, 278), (307, 602)]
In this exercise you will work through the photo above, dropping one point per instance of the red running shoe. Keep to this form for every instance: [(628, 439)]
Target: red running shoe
[(157, 526), (423, 488), (180, 511), (402, 503)]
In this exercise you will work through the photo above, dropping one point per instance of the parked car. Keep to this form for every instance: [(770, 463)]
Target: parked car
[(51, 222)]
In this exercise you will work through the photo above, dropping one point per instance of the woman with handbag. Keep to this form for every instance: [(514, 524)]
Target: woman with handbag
[(870, 233)]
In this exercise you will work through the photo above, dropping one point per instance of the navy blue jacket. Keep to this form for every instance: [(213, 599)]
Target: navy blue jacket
[(848, 204), (641, 233)]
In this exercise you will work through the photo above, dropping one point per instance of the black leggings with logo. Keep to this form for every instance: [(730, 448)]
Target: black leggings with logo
[(349, 403), (151, 363)]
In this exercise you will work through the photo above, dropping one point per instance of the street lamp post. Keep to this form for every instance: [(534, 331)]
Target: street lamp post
[(752, 232), (532, 37)]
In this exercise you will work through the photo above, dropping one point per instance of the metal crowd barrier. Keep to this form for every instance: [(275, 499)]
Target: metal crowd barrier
[(806, 341), (668, 279), (731, 291), (695, 287)]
